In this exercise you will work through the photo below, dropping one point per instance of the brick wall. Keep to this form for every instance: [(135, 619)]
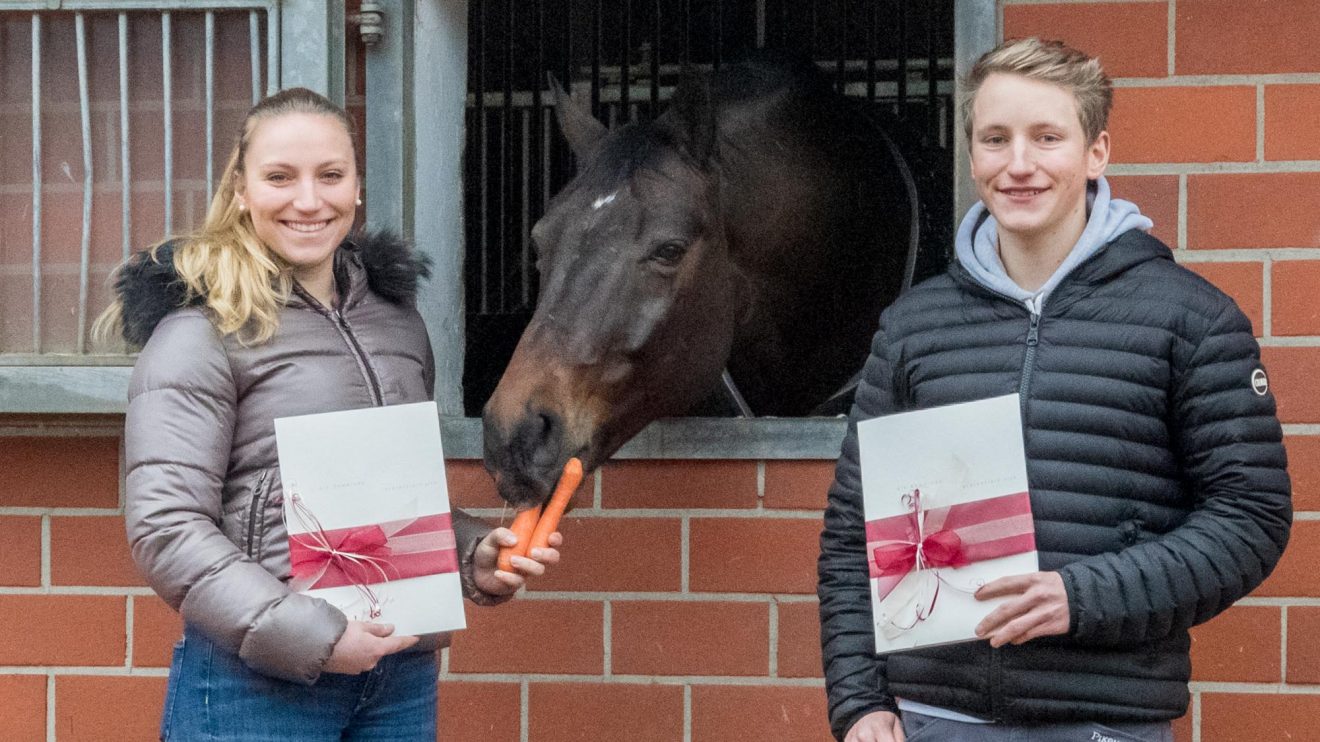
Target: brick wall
[(684, 608), (1214, 130)]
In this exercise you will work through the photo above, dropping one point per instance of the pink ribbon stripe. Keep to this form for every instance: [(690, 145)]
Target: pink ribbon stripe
[(952, 536), (372, 554)]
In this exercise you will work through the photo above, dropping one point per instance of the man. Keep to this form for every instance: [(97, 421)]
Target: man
[(1154, 456)]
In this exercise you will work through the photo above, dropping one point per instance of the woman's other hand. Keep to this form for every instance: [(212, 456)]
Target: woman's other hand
[(362, 645), (495, 581)]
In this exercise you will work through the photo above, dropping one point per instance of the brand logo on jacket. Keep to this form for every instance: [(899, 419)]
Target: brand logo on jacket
[(1259, 383)]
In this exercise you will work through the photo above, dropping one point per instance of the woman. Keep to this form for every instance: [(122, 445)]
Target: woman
[(267, 312)]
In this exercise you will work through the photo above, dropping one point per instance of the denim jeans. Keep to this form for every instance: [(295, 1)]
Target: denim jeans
[(212, 696), (922, 728)]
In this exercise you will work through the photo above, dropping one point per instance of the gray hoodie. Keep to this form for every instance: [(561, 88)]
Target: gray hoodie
[(977, 244)]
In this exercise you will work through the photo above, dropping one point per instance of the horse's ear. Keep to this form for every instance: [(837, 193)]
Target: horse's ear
[(694, 115), (580, 128)]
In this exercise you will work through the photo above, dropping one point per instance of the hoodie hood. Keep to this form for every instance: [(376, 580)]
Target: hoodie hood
[(150, 288), (977, 243)]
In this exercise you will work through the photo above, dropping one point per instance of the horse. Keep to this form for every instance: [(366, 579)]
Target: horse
[(758, 225)]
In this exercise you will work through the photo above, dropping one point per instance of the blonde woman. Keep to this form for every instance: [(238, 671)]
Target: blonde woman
[(270, 310)]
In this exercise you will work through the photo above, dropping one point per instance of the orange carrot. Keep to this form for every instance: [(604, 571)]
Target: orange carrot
[(554, 509), (523, 525)]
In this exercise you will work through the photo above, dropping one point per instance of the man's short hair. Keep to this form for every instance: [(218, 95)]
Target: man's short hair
[(1048, 61)]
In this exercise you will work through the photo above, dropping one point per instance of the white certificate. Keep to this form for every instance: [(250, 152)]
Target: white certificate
[(925, 472), (374, 472)]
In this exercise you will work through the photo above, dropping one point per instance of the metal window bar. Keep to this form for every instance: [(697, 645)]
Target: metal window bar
[(118, 22), (36, 183), (210, 105), (167, 108), (125, 163), (85, 248)]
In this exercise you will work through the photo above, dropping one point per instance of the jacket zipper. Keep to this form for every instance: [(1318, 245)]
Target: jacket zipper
[(360, 356), (350, 339), (1028, 362), (258, 497)]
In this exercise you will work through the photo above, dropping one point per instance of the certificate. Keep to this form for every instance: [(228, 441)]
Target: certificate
[(367, 510), (947, 510)]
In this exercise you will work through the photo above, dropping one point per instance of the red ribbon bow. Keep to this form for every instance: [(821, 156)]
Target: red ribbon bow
[(939, 549), (951, 536), (344, 553)]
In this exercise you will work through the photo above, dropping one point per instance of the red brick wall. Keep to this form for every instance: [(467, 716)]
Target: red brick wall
[(685, 597), (1214, 130)]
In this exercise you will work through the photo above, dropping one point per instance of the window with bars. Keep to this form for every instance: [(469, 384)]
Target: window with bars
[(626, 59), (124, 120)]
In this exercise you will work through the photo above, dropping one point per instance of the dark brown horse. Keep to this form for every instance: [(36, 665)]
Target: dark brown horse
[(760, 224)]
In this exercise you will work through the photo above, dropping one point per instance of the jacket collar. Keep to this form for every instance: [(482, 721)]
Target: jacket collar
[(375, 262), (1124, 252)]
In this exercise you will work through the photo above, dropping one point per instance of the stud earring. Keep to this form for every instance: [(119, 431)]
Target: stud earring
[(359, 201), (242, 206)]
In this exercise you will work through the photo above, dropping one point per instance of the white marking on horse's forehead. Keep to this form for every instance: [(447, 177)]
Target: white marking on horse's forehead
[(603, 200)]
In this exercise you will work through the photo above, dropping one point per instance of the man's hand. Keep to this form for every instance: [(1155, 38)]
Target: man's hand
[(877, 726), (1038, 607), (494, 581), (362, 645)]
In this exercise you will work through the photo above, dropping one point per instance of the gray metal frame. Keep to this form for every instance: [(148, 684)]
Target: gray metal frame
[(416, 80)]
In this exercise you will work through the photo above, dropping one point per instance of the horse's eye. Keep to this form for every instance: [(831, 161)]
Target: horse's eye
[(669, 253)]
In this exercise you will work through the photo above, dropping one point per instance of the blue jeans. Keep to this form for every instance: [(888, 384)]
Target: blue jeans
[(213, 696), (922, 728)]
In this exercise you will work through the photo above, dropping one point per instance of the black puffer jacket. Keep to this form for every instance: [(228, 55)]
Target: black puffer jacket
[(1157, 478)]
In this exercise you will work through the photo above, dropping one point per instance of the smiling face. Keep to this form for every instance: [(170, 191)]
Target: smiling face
[(1031, 161), (300, 187)]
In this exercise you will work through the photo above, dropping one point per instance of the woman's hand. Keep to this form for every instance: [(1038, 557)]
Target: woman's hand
[(362, 645), (494, 581)]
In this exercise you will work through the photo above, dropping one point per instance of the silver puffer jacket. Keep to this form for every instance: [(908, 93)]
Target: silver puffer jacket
[(204, 505)]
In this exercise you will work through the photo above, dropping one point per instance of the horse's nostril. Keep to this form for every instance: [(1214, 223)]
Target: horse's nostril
[(536, 440)]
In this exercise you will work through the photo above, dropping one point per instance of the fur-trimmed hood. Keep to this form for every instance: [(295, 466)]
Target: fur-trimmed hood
[(150, 288)]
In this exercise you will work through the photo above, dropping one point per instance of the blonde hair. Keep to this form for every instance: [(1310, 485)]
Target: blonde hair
[(1052, 62), (242, 282)]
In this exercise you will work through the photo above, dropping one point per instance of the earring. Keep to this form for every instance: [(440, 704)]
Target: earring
[(242, 206), (359, 201)]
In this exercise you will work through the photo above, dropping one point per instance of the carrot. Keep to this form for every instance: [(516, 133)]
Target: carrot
[(554, 509), (523, 525)]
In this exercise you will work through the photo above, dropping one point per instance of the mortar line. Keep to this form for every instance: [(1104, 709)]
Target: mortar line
[(524, 714), (1283, 645), (1267, 297), (684, 557), (50, 707), (687, 713), (1196, 717), (129, 606), (607, 638), (45, 553), (1172, 37), (1260, 122), (760, 484), (1182, 211)]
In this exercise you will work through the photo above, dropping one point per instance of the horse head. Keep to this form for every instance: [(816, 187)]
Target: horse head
[(638, 296)]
